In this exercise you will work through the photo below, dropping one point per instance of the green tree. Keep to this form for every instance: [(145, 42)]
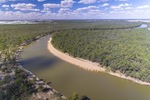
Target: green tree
[(74, 96)]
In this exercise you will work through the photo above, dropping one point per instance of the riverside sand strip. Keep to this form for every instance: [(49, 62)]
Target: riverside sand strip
[(88, 65)]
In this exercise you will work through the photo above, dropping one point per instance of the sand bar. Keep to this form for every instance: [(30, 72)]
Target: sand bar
[(88, 65)]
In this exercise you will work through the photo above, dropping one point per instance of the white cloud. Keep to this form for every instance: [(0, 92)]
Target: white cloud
[(24, 7), (121, 0), (89, 12), (3, 1), (125, 5), (119, 12), (134, 13), (19, 15), (87, 8), (67, 3), (104, 5), (50, 5), (5, 6), (87, 1), (29, 11), (143, 7), (64, 11), (94, 12), (40, 0), (85, 12), (63, 4), (103, 0), (128, 8), (115, 7), (121, 6)]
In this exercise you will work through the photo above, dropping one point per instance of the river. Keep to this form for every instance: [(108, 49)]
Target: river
[(67, 78), (143, 26)]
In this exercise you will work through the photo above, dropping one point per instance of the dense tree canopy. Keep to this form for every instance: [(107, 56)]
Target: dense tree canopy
[(124, 50)]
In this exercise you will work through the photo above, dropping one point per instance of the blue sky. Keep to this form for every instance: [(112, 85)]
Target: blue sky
[(74, 9)]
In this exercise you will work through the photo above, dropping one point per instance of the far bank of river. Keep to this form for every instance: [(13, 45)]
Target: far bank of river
[(67, 78), (88, 65)]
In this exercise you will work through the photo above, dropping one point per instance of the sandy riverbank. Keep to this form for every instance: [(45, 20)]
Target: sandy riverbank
[(88, 65), (50, 94)]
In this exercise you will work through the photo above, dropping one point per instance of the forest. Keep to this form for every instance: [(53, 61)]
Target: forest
[(101, 41), (124, 50)]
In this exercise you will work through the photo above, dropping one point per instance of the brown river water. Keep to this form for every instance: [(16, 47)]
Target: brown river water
[(67, 78)]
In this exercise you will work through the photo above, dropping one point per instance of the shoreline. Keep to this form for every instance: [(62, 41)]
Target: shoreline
[(88, 65), (37, 82)]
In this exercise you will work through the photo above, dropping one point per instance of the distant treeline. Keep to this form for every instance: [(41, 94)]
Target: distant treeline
[(98, 24)]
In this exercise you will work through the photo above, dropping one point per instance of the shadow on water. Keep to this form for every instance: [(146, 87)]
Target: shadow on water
[(67, 78), (39, 62)]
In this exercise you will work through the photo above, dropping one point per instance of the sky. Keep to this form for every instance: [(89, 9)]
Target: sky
[(74, 9)]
